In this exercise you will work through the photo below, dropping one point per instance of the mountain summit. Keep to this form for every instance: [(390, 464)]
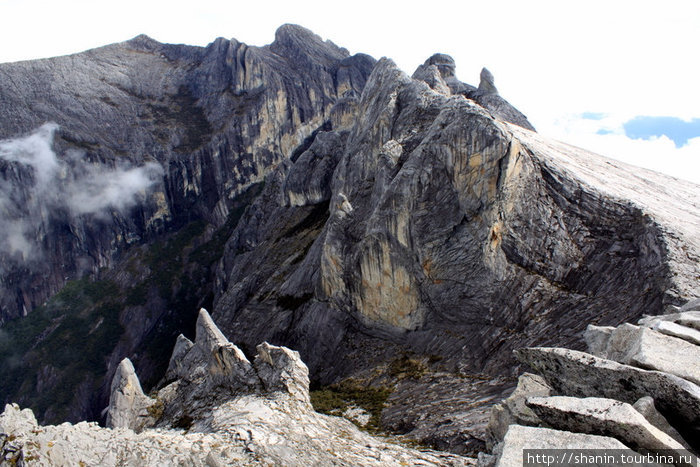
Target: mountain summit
[(403, 234)]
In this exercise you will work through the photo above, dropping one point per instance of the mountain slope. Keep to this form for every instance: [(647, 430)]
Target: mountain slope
[(410, 231)]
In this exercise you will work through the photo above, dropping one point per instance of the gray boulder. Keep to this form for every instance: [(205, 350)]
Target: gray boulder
[(689, 318), (518, 438), (692, 305), (597, 338), (646, 407), (595, 415), (580, 374), (677, 330), (513, 410), (646, 348)]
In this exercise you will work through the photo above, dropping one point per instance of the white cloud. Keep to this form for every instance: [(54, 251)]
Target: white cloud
[(42, 184), (659, 153)]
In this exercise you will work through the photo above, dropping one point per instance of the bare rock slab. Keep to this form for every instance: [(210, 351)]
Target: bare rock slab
[(519, 438), (646, 348), (609, 417), (580, 374)]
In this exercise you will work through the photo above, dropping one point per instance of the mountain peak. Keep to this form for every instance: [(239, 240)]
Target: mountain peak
[(486, 85)]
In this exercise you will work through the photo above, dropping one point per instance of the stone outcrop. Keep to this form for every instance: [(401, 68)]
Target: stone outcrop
[(647, 411), (128, 405), (232, 413)]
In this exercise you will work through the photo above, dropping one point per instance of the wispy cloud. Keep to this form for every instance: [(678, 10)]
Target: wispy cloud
[(36, 184)]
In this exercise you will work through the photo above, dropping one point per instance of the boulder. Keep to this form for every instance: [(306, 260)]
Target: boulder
[(513, 410), (609, 417), (597, 338), (692, 305), (646, 348), (677, 330), (646, 407), (579, 374), (518, 438), (689, 318)]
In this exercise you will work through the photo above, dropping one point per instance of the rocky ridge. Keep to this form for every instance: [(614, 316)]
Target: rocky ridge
[(233, 412), (612, 397), (410, 231), (451, 238)]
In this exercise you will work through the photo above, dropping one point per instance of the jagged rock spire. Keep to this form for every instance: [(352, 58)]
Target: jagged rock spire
[(128, 405), (486, 85)]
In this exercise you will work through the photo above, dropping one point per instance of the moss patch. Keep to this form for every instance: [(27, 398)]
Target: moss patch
[(407, 367), (336, 398)]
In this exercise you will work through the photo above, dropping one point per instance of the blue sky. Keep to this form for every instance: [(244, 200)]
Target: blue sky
[(678, 130), (614, 77)]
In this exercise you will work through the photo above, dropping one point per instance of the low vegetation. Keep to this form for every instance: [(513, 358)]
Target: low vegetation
[(337, 398)]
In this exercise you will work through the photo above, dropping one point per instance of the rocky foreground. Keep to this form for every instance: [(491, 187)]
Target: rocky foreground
[(636, 390), (218, 409)]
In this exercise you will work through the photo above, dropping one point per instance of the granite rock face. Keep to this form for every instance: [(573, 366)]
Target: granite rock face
[(214, 119)]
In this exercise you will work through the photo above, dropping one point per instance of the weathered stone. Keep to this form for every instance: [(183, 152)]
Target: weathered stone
[(514, 410), (580, 374), (128, 405), (685, 318), (182, 346), (519, 438), (270, 425), (677, 330), (608, 417), (486, 83), (646, 348), (691, 305), (646, 407), (281, 369), (597, 338)]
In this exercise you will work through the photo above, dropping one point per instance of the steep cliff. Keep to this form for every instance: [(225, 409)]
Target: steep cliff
[(214, 119), (408, 234), (451, 238), (150, 154)]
